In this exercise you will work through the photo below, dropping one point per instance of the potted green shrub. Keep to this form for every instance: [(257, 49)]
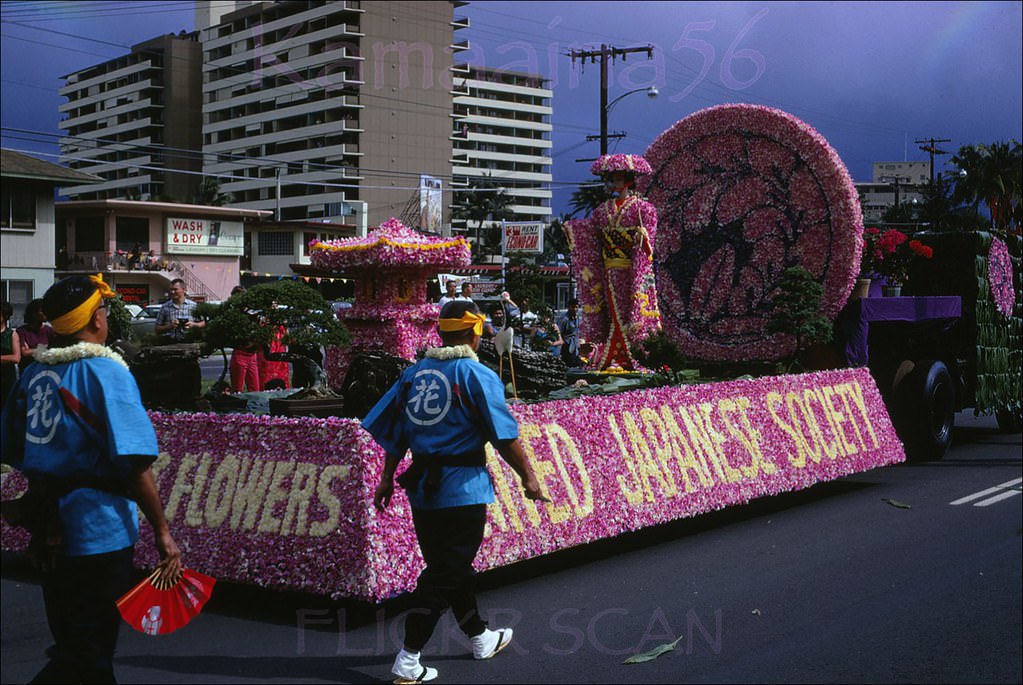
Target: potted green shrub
[(257, 315)]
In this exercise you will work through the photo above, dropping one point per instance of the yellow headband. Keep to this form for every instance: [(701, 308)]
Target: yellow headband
[(76, 319), (468, 320)]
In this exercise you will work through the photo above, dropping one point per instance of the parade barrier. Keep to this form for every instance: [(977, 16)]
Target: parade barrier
[(286, 503)]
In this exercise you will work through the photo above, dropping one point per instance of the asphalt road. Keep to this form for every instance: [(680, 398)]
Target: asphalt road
[(834, 584)]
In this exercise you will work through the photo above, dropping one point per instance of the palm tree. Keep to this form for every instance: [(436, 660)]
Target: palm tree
[(555, 241), (208, 193), (990, 174), (587, 198), (483, 201)]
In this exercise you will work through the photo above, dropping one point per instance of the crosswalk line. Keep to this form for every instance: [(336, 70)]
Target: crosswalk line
[(990, 491), (997, 498)]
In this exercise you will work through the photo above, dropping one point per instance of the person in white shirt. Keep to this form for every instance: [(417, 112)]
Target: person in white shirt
[(527, 324), (451, 294)]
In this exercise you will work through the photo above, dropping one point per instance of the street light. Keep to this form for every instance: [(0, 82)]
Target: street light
[(606, 106)]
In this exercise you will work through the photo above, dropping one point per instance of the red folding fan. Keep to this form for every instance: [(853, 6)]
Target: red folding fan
[(155, 607)]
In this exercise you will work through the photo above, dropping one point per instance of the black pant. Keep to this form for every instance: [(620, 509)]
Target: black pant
[(449, 540), (80, 595)]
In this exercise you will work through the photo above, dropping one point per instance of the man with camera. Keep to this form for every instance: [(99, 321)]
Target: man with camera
[(176, 316)]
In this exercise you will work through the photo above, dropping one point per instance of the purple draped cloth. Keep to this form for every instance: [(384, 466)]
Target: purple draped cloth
[(857, 316)]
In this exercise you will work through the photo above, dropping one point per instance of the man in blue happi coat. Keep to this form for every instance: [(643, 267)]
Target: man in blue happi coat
[(76, 427), (445, 409)]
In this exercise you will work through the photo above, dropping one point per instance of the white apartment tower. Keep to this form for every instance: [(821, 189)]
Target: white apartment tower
[(502, 135), (134, 120), (327, 110)]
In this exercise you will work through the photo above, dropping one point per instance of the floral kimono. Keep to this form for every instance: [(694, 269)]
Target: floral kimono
[(612, 258)]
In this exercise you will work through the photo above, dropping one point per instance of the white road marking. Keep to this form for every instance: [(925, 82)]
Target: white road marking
[(1000, 489), (997, 498)]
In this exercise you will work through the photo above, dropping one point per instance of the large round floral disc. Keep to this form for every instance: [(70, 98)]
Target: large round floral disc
[(744, 192)]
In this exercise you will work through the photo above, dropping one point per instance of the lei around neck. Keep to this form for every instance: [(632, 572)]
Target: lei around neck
[(454, 352), (82, 350)]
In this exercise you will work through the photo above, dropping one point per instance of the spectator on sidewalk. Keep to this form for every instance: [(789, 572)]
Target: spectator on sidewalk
[(34, 332), (10, 352), (177, 316), (450, 294), (568, 326), (245, 362), (466, 293)]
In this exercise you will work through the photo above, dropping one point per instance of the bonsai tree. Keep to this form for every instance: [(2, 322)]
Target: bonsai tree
[(658, 353), (256, 316), (118, 321), (797, 310)]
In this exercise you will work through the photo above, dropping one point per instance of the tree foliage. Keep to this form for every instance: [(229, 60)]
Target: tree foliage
[(555, 242), (118, 321), (587, 198), (526, 281), (660, 354), (483, 201), (255, 316), (797, 311), (992, 174), (208, 193)]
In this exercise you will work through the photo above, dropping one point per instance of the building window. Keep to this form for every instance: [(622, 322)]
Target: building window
[(276, 244), (18, 206), (18, 294), (306, 239)]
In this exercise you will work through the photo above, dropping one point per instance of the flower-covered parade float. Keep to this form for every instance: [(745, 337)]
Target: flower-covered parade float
[(391, 266), (286, 503)]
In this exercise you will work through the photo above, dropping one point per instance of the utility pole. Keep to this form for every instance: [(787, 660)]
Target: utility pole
[(895, 181), (929, 148), (605, 53)]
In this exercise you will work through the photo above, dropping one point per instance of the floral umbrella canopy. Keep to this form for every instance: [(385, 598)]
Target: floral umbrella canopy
[(391, 266), (743, 193)]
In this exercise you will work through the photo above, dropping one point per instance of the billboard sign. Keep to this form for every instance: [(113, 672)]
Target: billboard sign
[(205, 237), (523, 236), (431, 203)]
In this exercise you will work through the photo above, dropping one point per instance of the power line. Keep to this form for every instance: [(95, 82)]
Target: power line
[(188, 154), (321, 184)]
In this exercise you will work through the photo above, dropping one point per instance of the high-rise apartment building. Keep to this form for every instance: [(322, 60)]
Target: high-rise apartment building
[(328, 110), (134, 121), (502, 135)]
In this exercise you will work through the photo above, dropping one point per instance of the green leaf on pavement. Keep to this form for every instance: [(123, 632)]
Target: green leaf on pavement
[(897, 503), (653, 653)]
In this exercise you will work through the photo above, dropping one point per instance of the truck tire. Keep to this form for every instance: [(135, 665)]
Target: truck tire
[(927, 410)]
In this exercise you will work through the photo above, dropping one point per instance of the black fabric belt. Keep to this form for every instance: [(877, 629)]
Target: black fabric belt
[(431, 466)]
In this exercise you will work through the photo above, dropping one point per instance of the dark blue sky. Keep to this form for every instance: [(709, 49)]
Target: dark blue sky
[(871, 77)]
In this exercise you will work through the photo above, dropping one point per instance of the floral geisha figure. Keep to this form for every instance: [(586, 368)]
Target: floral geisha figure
[(612, 260)]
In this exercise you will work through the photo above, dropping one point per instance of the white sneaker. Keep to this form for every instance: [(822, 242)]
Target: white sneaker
[(490, 642), (409, 670)]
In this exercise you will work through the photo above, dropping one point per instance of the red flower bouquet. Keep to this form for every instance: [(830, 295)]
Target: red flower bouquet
[(890, 254)]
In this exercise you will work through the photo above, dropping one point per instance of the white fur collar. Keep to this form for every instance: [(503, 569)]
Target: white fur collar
[(82, 350), (455, 352)]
